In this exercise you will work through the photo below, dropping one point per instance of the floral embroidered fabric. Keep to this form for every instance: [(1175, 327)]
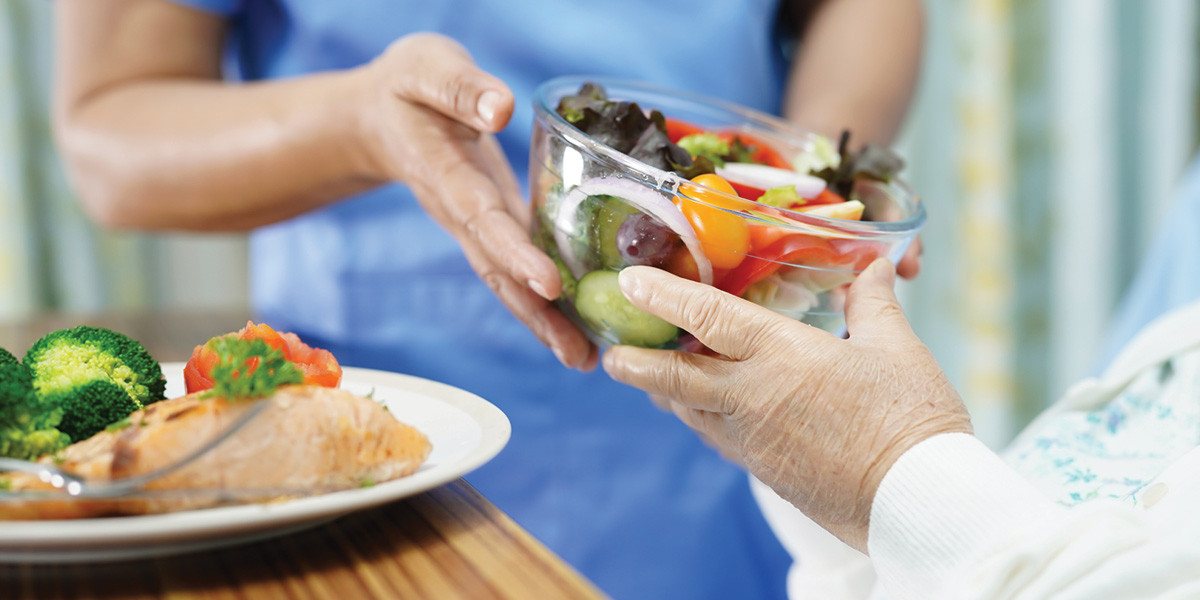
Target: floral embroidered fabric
[(1113, 450)]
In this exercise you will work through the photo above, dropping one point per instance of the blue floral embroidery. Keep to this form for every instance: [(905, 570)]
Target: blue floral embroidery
[(1080, 475), (1115, 418), (1114, 450)]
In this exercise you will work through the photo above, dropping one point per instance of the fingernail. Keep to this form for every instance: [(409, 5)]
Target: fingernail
[(489, 103), (538, 289), (883, 271), (608, 360), (558, 353), (630, 283)]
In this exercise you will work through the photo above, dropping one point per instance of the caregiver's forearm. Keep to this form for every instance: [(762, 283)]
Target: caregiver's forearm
[(856, 68), (155, 139), (212, 156)]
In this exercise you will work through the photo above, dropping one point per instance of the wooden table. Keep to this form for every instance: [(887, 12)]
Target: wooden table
[(450, 542)]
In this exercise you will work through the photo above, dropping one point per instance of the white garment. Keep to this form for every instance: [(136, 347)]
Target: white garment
[(952, 519)]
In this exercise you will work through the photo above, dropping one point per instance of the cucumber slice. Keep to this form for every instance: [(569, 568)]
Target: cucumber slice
[(599, 301), (608, 213)]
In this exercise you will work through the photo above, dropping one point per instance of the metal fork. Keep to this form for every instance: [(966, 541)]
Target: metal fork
[(76, 485)]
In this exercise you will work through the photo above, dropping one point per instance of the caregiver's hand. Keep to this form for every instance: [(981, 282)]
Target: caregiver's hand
[(818, 418), (431, 113), (143, 113)]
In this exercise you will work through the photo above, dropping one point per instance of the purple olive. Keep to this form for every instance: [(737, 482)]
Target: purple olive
[(644, 240)]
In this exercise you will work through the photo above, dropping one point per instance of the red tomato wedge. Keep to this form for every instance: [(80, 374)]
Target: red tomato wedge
[(796, 249), (760, 151), (677, 130), (826, 196), (748, 192), (318, 366)]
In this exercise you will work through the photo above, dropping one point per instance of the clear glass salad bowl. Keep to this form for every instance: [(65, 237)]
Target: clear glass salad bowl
[(625, 173)]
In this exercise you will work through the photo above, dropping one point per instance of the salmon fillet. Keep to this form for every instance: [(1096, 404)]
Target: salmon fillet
[(308, 437)]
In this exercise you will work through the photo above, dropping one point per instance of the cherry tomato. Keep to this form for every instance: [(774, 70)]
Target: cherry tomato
[(722, 231)]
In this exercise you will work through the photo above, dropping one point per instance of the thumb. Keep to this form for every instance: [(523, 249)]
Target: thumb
[(438, 72), (872, 310)]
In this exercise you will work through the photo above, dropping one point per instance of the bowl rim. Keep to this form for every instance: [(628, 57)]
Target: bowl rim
[(670, 182)]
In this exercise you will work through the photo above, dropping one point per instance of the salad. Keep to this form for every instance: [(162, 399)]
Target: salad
[(781, 220)]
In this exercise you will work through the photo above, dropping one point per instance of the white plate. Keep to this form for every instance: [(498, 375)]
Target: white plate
[(465, 430)]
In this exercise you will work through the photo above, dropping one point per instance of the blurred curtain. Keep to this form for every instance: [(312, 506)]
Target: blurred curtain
[(51, 257), (1047, 138)]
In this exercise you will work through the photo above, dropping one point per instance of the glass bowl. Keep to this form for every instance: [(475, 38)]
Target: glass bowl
[(600, 206)]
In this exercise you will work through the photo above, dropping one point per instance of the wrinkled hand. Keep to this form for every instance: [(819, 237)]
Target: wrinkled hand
[(818, 418), (429, 118)]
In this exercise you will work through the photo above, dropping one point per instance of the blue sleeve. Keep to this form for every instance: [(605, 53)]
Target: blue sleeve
[(1168, 277), (219, 7)]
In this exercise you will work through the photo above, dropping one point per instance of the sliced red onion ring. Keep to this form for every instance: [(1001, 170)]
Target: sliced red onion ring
[(645, 199), (764, 177)]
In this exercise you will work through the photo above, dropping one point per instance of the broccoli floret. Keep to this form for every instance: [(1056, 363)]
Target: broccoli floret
[(7, 358), (27, 427), (94, 376)]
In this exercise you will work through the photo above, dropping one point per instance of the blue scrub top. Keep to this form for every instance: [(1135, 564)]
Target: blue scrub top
[(621, 490)]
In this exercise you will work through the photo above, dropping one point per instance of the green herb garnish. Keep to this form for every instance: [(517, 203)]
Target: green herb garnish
[(249, 369)]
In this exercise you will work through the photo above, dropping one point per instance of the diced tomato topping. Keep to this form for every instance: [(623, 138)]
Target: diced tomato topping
[(318, 366), (199, 366), (266, 333)]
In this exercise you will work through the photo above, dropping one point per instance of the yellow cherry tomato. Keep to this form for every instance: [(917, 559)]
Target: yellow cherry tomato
[(724, 235)]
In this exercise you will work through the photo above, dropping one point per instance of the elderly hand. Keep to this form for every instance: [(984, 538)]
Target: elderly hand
[(818, 418), (431, 112)]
